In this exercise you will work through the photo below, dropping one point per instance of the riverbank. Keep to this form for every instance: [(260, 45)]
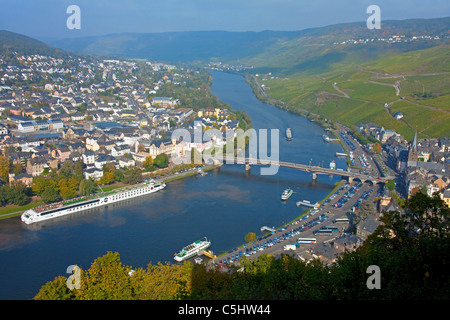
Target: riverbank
[(261, 95), (293, 221), (327, 124), (17, 211)]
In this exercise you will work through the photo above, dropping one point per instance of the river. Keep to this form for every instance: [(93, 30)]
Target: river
[(223, 206)]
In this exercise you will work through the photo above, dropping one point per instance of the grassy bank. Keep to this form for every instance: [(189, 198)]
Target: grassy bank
[(14, 210)]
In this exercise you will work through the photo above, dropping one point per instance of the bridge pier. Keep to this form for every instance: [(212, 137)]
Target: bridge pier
[(247, 167), (350, 179), (314, 176)]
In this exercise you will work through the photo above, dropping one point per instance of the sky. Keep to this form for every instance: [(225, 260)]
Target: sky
[(47, 19)]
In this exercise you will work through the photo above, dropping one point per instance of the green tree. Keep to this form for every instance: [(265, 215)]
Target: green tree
[(132, 176), (4, 168), (390, 185), (161, 161), (109, 279), (17, 169), (162, 282), (40, 183), (82, 108), (376, 147), (250, 237), (66, 170), (56, 290), (107, 178), (16, 193), (109, 167), (148, 163), (50, 195), (87, 187), (429, 214), (78, 168), (118, 175), (106, 279), (68, 188), (410, 248)]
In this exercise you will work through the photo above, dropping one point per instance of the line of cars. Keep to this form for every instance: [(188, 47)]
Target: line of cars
[(365, 164), (335, 194), (347, 140), (272, 239), (348, 195), (364, 161)]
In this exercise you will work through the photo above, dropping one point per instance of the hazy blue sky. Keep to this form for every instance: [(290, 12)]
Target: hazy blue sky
[(47, 18)]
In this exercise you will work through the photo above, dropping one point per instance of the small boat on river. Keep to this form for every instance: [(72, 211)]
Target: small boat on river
[(288, 134), (286, 194)]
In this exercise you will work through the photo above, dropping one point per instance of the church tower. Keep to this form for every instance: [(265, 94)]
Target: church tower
[(413, 152)]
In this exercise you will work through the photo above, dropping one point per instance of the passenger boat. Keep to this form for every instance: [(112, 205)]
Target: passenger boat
[(286, 194), (333, 165), (193, 249), (288, 134), (326, 138), (75, 205)]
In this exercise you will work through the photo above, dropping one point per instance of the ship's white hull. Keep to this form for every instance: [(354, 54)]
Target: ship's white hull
[(31, 216), (286, 194), (194, 251)]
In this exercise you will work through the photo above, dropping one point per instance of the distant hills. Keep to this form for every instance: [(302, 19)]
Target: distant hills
[(283, 50), (179, 47), (258, 48)]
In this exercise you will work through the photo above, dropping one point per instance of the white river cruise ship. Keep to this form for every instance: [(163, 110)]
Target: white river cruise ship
[(192, 249), (60, 209)]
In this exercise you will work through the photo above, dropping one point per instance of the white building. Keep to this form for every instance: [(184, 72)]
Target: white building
[(88, 157), (31, 126), (93, 173), (120, 150)]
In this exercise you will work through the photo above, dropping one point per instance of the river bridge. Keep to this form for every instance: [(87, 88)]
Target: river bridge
[(314, 170)]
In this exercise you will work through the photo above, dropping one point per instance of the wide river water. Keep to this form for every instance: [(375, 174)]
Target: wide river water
[(223, 206)]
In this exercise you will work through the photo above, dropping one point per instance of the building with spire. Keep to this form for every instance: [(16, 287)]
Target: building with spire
[(413, 153)]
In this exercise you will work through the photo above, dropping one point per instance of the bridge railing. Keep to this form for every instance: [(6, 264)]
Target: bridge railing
[(309, 168)]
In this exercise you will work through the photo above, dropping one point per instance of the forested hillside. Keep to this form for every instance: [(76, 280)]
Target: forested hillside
[(14, 42)]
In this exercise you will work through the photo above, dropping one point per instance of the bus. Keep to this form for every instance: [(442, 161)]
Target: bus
[(341, 220), (306, 240), (332, 228), (323, 232)]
